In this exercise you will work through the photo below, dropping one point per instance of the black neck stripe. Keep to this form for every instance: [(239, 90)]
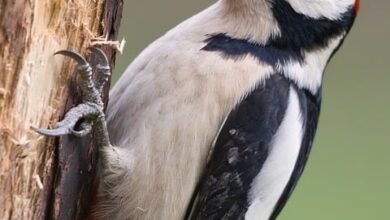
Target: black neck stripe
[(238, 48), (301, 32)]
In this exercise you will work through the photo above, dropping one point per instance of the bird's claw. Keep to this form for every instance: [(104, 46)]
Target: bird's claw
[(88, 112), (79, 120), (103, 69), (56, 132)]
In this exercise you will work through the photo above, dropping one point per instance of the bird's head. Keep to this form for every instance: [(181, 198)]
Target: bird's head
[(304, 24), (296, 37)]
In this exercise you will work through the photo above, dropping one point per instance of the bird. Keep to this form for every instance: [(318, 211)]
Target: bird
[(216, 118)]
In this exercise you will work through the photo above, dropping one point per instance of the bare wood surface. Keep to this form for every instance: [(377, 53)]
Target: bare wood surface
[(41, 178)]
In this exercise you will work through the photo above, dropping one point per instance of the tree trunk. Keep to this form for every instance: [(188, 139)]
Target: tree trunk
[(43, 178)]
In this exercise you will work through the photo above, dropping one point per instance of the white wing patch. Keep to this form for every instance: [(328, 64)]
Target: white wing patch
[(269, 185)]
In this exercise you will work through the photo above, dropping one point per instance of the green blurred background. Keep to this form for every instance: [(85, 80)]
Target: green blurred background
[(348, 174)]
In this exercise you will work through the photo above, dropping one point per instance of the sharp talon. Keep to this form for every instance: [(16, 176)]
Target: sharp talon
[(103, 60), (61, 131), (74, 55), (103, 68)]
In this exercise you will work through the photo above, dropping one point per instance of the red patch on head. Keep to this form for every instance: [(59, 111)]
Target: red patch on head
[(356, 7)]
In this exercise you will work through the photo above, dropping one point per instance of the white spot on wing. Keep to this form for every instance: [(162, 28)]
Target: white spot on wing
[(270, 183)]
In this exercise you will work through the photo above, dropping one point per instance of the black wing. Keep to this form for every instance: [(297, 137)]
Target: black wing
[(240, 151)]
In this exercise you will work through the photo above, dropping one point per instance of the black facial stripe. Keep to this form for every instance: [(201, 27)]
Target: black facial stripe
[(301, 32), (237, 48)]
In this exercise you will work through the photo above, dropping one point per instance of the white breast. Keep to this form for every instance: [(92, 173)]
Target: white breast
[(269, 185)]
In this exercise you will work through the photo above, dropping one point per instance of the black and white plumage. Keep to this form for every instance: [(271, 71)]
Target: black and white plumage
[(215, 120)]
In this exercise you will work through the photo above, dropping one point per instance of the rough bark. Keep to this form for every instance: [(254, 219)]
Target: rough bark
[(43, 178)]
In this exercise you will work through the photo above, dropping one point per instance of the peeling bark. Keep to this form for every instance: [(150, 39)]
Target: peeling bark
[(42, 178)]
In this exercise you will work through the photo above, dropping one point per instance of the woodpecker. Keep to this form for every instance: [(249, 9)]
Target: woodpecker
[(215, 119)]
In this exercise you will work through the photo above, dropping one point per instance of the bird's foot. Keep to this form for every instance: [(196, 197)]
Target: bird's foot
[(89, 115)]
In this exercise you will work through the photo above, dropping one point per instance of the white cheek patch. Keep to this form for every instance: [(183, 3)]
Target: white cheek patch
[(270, 183), (331, 9)]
